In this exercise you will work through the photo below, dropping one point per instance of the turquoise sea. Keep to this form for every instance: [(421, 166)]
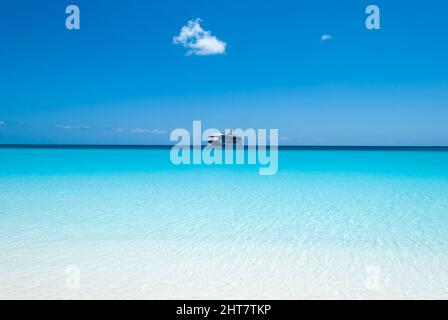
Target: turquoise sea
[(125, 223)]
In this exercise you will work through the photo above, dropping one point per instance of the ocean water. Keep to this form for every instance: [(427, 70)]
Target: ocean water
[(130, 224)]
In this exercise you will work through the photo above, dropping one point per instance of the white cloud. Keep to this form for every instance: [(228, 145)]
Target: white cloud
[(145, 131), (61, 126), (198, 41), (140, 131), (158, 131), (325, 37), (11, 124), (66, 127)]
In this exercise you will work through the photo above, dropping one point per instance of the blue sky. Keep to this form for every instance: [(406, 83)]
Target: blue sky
[(121, 79)]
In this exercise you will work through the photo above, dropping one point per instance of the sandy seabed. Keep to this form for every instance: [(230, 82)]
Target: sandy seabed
[(168, 271)]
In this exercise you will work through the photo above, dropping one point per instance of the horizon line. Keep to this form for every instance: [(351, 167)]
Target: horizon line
[(167, 146)]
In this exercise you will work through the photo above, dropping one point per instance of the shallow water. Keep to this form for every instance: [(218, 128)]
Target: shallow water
[(329, 224)]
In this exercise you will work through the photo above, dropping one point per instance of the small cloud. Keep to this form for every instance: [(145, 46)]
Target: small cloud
[(119, 130), (145, 131), (66, 127), (198, 41), (60, 126), (325, 37), (9, 123), (140, 131), (158, 131)]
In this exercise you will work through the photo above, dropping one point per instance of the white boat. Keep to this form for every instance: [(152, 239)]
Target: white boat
[(224, 139)]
